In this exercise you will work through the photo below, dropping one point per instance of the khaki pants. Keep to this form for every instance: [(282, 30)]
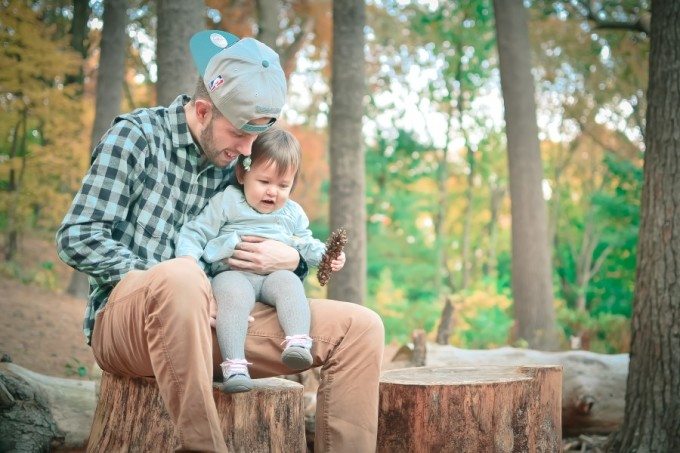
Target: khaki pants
[(156, 323)]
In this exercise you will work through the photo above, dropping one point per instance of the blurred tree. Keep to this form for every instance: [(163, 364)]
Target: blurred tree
[(39, 157), (178, 20), (347, 183), (591, 98), (109, 93), (287, 27), (531, 263), (459, 38), (652, 413)]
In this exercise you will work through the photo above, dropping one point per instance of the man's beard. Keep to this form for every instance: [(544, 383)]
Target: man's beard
[(206, 143)]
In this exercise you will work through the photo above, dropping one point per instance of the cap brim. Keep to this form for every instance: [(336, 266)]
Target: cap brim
[(206, 44)]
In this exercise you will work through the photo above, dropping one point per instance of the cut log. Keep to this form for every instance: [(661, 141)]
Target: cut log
[(593, 388), (130, 416), (470, 409), (43, 413)]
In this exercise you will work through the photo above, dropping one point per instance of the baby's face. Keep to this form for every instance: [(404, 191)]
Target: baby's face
[(266, 190)]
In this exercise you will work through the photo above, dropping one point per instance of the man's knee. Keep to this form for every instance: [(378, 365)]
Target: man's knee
[(356, 319), (373, 323)]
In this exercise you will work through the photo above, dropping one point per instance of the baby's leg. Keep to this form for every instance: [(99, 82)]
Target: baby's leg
[(284, 290), (235, 298)]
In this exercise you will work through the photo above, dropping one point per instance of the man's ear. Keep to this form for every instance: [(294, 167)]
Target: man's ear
[(240, 172), (203, 110)]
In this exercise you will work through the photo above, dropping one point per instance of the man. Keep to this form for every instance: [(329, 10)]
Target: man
[(149, 314)]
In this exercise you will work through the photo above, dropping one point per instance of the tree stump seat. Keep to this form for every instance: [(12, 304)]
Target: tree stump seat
[(471, 409), (130, 416)]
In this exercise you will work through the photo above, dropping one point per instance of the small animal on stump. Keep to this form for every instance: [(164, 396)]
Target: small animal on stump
[(334, 245)]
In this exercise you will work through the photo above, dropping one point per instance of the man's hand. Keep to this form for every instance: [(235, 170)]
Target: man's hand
[(263, 256)]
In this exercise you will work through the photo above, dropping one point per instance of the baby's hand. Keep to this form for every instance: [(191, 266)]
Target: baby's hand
[(338, 263)]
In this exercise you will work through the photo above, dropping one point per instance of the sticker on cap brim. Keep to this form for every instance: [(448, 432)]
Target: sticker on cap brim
[(219, 40), (215, 83)]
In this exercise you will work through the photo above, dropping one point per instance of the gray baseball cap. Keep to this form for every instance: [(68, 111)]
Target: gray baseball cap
[(243, 76)]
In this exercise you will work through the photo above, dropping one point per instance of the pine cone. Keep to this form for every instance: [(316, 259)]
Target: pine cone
[(334, 245)]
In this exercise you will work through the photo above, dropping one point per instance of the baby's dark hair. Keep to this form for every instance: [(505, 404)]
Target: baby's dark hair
[(276, 146)]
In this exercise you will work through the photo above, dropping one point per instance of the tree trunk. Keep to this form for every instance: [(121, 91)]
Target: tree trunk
[(178, 20), (43, 413), (268, 22), (593, 386), (471, 409), (131, 416), (79, 37), (79, 29), (466, 240), (531, 266), (445, 323), (652, 416), (109, 93), (347, 191), (111, 69)]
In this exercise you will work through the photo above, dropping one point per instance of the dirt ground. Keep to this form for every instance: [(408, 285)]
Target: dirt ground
[(40, 329)]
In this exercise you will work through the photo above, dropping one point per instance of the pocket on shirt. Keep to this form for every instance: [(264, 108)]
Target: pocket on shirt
[(160, 206)]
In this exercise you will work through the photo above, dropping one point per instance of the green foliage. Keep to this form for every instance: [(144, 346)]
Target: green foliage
[(75, 367), (602, 332), (484, 320), (42, 154), (43, 275)]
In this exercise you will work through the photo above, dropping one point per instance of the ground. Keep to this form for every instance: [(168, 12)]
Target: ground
[(40, 329)]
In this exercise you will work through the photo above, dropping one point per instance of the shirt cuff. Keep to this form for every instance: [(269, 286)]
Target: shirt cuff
[(302, 269)]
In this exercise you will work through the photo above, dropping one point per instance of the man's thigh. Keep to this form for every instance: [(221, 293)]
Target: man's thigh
[(120, 338), (330, 322)]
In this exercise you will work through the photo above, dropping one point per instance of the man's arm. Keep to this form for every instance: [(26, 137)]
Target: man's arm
[(84, 240)]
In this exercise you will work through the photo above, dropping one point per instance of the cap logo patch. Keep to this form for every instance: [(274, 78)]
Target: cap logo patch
[(215, 83), (219, 40), (262, 109)]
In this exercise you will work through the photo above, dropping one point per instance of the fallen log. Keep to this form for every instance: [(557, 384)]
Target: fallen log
[(43, 413), (593, 388), (471, 409)]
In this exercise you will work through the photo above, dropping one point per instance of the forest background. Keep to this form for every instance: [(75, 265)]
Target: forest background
[(438, 222)]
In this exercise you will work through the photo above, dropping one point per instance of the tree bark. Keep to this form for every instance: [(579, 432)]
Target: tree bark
[(109, 94), (131, 416), (472, 409), (42, 413), (593, 384), (347, 191), (79, 37), (268, 22), (531, 265), (445, 323), (652, 416), (178, 20)]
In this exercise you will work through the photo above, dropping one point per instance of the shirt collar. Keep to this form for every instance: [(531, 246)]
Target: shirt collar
[(181, 136)]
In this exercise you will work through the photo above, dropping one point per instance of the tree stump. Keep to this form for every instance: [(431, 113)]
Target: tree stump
[(471, 409), (130, 416)]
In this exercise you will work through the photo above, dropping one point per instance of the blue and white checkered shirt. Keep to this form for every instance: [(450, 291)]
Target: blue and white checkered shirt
[(147, 178)]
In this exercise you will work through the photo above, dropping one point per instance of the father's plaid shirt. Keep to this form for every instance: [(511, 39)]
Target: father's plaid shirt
[(147, 178)]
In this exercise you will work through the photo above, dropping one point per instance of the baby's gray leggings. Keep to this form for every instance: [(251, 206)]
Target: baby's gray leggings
[(236, 293)]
